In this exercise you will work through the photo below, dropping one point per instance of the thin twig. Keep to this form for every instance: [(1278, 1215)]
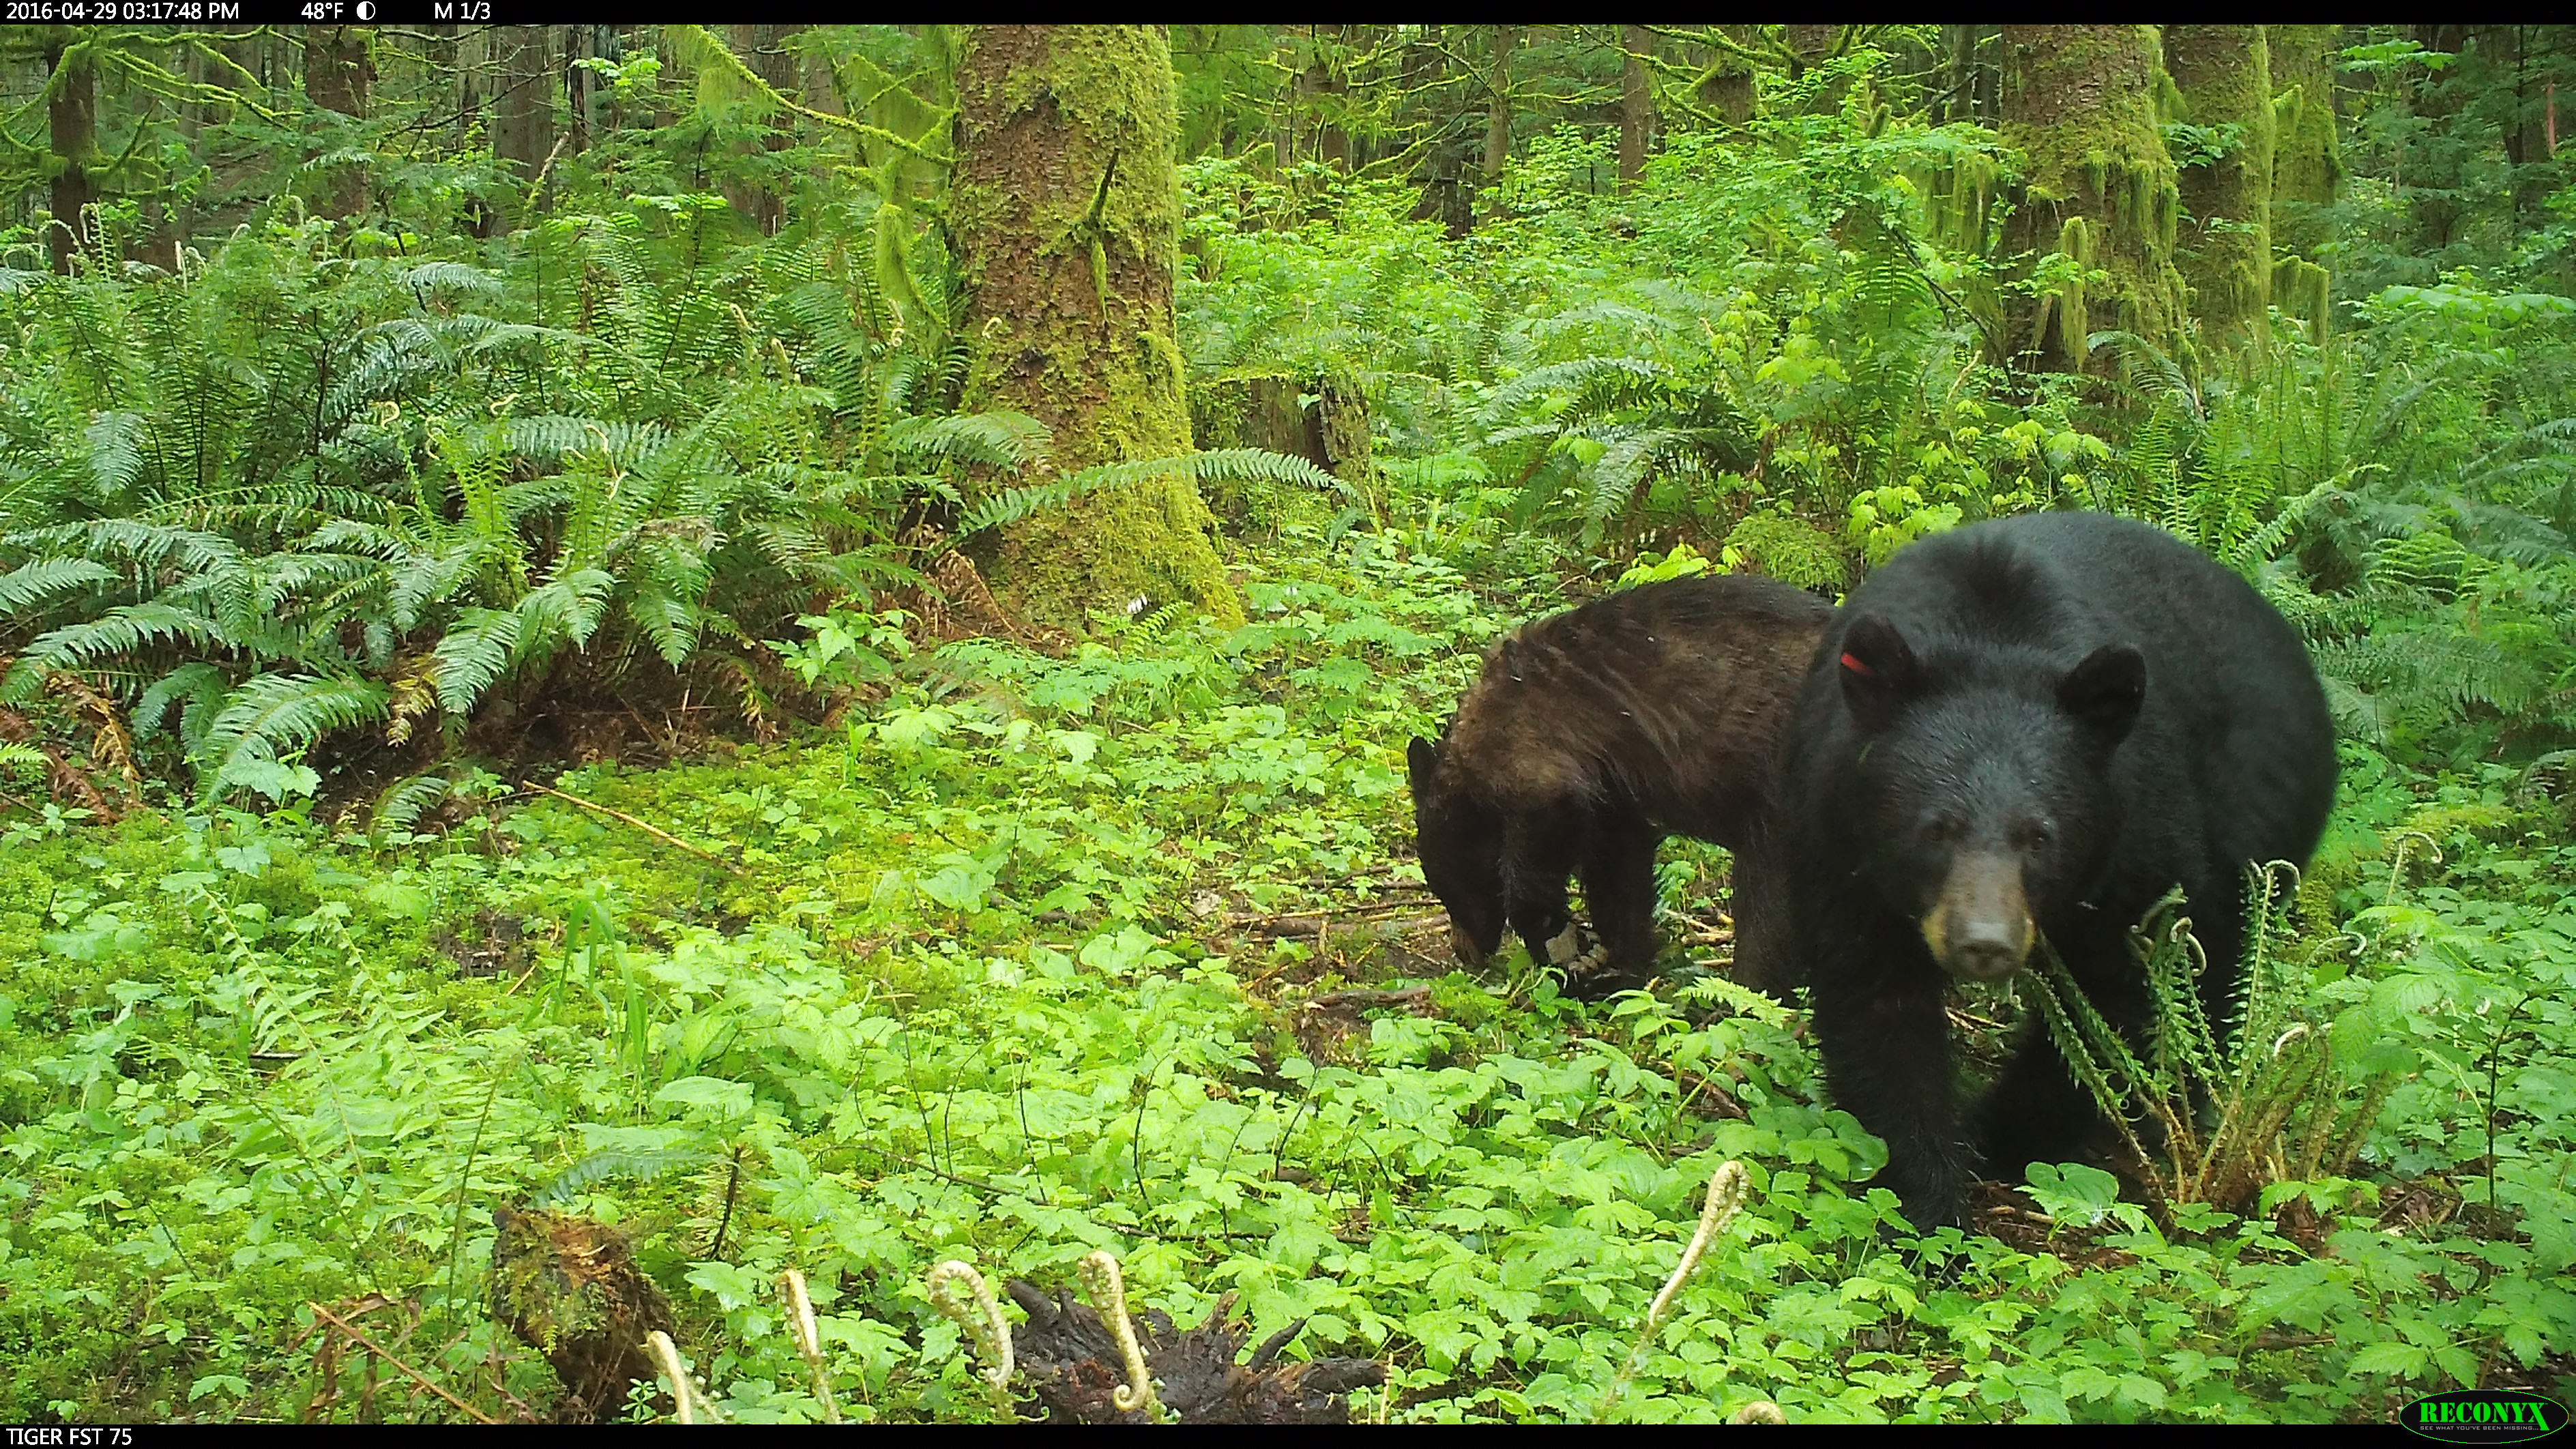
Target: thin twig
[(657, 832), (1367, 996), (415, 1375)]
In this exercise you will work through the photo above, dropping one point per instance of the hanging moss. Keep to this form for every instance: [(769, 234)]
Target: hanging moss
[(1065, 214), (2063, 319), (2223, 93), (2307, 160), (2302, 289), (2079, 105)]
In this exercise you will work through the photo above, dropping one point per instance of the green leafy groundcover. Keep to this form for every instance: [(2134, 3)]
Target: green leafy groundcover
[(963, 986)]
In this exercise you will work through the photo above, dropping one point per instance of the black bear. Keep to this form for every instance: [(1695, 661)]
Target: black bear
[(1588, 738), (2031, 725)]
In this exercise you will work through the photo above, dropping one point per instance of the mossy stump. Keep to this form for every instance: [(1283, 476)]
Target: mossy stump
[(569, 1288), (1320, 417)]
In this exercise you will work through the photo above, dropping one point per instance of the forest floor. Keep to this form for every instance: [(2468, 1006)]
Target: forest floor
[(1126, 950)]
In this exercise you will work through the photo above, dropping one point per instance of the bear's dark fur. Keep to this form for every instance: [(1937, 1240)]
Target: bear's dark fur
[(2039, 723), (1591, 736)]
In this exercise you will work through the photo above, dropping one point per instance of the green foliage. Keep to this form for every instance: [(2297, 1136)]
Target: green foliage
[(314, 495), (979, 970), (2284, 1112), (957, 994)]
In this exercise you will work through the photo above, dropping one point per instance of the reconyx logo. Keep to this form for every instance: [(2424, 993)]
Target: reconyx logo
[(2484, 1416)]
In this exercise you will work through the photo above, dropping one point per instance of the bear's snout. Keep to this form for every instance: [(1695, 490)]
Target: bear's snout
[(1980, 927)]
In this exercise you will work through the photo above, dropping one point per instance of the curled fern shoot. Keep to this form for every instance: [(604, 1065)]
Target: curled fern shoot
[(979, 1317)]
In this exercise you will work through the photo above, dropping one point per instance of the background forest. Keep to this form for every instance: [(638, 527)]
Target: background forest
[(799, 641)]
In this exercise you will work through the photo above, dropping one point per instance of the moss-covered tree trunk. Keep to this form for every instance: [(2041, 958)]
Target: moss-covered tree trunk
[(337, 67), (1065, 216), (71, 113), (2307, 159), (764, 48), (2079, 103), (1498, 114), (2223, 84)]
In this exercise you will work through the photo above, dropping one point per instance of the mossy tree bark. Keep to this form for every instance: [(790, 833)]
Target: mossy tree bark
[(1064, 213), (2223, 81), (764, 48), (2079, 102), (71, 113), (1498, 113), (2307, 161)]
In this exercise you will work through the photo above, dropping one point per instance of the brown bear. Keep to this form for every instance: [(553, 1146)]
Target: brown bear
[(1589, 737)]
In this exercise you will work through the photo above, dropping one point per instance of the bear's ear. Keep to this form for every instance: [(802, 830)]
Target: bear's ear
[(1419, 758), (2104, 692), (1879, 671)]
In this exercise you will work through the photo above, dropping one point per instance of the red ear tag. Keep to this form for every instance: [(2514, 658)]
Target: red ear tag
[(1856, 667)]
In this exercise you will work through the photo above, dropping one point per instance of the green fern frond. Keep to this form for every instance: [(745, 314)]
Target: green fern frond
[(21, 589), (200, 684), (1598, 384), (269, 714), (409, 798), (998, 440), (599, 1167), (474, 651), (120, 630), (453, 280)]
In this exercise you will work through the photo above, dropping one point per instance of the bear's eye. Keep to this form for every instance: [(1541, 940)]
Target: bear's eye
[(2031, 834), (1945, 828)]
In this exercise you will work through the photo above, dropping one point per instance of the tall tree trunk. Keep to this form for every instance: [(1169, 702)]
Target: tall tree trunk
[(2526, 134), (1319, 91), (2079, 103), (181, 219), (764, 49), (338, 64), (1498, 110), (1727, 86), (337, 68), (581, 86), (1809, 45), (2432, 170), (822, 86), (523, 105), (1636, 103), (1065, 213), (2307, 159), (71, 109), (2222, 77)]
